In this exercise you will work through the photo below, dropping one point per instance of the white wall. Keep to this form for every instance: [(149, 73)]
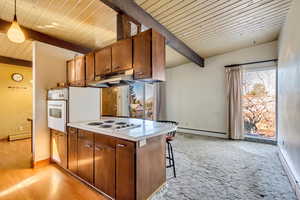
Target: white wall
[(289, 91), (49, 68), (196, 97)]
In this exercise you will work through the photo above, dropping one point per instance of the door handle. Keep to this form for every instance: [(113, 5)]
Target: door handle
[(121, 145)]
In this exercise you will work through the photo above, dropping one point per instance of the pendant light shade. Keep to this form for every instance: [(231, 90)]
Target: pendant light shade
[(15, 33)]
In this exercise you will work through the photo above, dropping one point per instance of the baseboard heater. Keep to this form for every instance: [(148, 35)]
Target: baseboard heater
[(192, 129), (19, 136)]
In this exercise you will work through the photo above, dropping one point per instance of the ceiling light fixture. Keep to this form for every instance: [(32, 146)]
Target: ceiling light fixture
[(14, 33)]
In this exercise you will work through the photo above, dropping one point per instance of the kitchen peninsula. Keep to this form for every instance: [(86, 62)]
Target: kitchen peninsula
[(123, 158)]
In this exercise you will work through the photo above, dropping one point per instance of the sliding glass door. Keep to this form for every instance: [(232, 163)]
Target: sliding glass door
[(259, 103)]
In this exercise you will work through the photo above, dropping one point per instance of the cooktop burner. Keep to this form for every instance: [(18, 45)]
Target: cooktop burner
[(109, 121), (121, 123), (105, 126), (95, 123)]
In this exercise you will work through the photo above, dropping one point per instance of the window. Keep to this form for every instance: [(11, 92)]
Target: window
[(259, 102)]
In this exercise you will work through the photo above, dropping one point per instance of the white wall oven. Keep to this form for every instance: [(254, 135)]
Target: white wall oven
[(57, 109)]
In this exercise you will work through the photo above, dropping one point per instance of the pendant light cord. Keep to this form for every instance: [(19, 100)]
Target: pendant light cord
[(15, 16)]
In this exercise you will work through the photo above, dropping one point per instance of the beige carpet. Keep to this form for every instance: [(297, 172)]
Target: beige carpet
[(215, 169)]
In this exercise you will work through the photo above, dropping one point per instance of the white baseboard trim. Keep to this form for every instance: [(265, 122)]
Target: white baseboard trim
[(292, 177), (196, 132)]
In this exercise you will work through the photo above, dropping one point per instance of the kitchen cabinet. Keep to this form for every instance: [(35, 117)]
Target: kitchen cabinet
[(76, 71), (103, 61), (105, 162), (125, 170), (120, 168), (149, 56), (85, 153), (71, 72), (89, 67), (122, 55), (59, 148), (72, 150)]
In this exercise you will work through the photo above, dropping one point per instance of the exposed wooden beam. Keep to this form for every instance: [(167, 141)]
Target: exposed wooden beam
[(38, 36), (124, 26), (130, 8), (14, 61)]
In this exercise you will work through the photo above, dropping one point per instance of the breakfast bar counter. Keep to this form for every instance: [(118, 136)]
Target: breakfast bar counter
[(126, 128), (122, 158)]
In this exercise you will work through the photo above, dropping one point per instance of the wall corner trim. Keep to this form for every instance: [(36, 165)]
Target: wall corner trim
[(292, 177)]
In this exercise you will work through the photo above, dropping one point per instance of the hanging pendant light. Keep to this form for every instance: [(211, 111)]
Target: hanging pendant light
[(15, 33)]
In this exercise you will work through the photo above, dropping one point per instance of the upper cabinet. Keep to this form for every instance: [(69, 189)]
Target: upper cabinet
[(71, 72), (76, 71), (103, 61), (90, 67), (122, 55), (149, 56), (145, 53)]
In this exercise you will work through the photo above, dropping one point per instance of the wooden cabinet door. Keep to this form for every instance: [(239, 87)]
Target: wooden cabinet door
[(72, 150), (103, 61), (85, 155), (122, 55), (54, 146), (142, 64), (125, 170), (105, 168), (59, 148), (109, 102), (63, 149), (90, 67), (71, 72), (80, 70)]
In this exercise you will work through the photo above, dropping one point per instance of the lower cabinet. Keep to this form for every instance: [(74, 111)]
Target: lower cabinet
[(72, 150), (85, 153), (105, 165), (106, 162), (59, 148), (125, 170)]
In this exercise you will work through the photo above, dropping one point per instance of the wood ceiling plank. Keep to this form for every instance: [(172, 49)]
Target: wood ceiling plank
[(209, 14), (248, 19), (239, 15), (202, 9), (163, 16), (157, 7), (34, 35), (256, 11), (184, 11), (246, 27), (130, 8)]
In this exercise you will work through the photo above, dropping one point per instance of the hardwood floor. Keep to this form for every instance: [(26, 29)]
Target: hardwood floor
[(19, 182), (15, 154)]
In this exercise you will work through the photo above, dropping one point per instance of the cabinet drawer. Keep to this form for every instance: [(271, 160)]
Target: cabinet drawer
[(85, 135), (105, 140)]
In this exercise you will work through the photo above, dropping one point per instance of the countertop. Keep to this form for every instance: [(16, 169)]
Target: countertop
[(146, 129)]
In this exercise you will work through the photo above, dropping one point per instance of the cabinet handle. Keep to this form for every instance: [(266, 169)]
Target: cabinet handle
[(121, 145), (88, 146), (117, 67), (139, 73), (107, 69), (98, 148)]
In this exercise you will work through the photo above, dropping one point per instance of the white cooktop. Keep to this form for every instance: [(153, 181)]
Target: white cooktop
[(125, 128)]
